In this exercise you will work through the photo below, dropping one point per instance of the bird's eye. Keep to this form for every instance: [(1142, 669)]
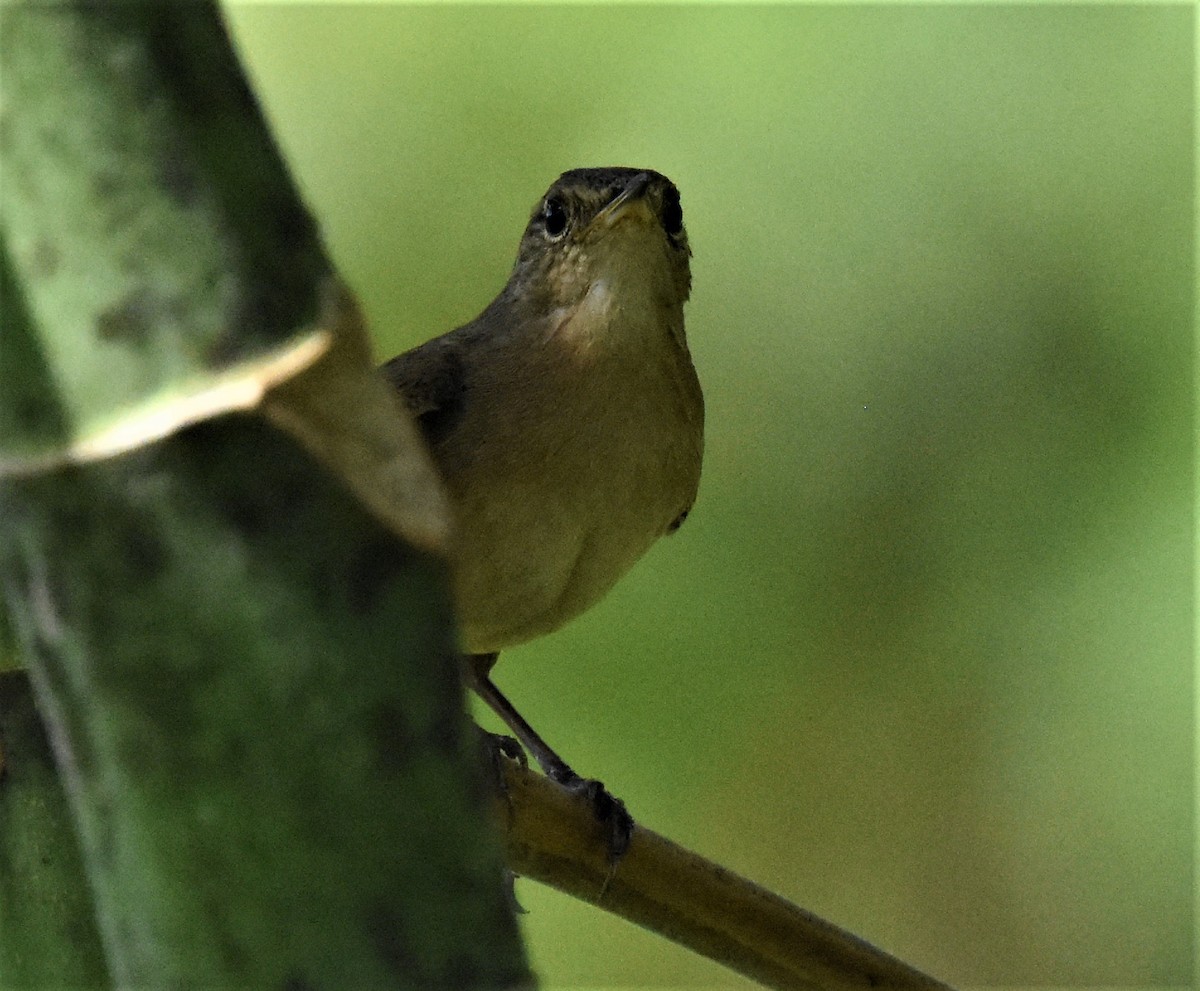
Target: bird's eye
[(554, 217), (672, 212)]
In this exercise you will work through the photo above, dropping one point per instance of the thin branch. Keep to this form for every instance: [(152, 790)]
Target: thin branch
[(553, 837)]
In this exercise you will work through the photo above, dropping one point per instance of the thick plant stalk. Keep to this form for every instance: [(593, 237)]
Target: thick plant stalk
[(47, 918), (245, 663), (253, 696)]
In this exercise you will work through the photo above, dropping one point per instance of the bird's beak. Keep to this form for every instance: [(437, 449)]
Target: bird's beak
[(630, 194)]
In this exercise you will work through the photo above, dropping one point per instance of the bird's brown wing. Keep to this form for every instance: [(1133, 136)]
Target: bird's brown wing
[(432, 380)]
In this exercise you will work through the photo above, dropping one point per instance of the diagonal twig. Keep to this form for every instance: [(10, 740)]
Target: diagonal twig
[(552, 837)]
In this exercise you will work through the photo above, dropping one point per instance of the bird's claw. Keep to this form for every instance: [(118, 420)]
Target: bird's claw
[(495, 748), (608, 810), (610, 813)]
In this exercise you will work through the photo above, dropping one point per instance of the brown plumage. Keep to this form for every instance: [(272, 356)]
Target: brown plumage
[(566, 419)]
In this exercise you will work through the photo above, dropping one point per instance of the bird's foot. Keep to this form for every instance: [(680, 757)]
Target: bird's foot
[(609, 811), (495, 748)]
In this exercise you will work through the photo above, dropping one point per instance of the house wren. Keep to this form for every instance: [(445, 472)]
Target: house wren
[(566, 419)]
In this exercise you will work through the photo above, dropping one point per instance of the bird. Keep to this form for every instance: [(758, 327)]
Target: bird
[(566, 420)]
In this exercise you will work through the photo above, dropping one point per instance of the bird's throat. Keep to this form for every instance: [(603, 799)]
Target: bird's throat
[(612, 322)]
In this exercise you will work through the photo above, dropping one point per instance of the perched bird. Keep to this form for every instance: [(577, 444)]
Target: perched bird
[(566, 420)]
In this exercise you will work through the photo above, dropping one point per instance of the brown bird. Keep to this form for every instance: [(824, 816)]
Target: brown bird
[(566, 419)]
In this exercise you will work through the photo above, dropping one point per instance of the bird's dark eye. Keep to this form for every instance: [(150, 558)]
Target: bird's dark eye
[(672, 212), (554, 217)]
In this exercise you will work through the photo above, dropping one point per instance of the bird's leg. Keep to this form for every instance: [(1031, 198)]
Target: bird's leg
[(608, 809), (479, 667)]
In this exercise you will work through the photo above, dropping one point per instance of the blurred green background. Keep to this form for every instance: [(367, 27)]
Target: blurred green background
[(921, 659)]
